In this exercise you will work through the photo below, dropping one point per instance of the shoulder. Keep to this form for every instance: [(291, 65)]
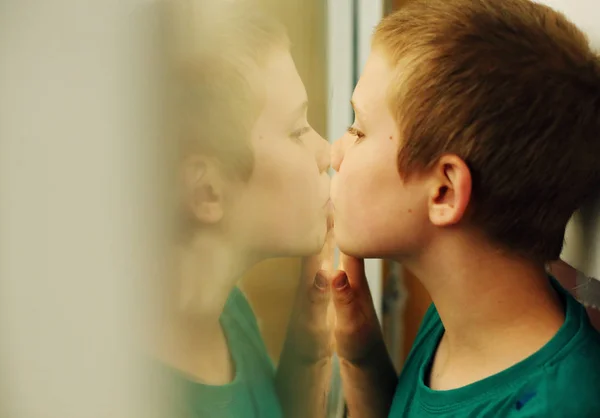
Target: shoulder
[(430, 325), (575, 392), (238, 310), (238, 303), (573, 382), (427, 338), (240, 322)]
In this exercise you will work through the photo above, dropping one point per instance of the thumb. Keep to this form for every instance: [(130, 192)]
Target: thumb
[(351, 293), (355, 271), (351, 301), (356, 326), (349, 312), (350, 289), (308, 332), (357, 329), (342, 292)]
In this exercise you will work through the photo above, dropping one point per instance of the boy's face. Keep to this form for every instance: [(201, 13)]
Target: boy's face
[(281, 210), (376, 213)]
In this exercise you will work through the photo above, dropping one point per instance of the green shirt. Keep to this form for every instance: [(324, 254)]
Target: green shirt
[(562, 379), (252, 393)]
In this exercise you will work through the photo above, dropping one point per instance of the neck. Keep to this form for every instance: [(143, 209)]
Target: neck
[(204, 273), (480, 292)]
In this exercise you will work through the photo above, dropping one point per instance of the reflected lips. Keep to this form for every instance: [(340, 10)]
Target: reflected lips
[(328, 206)]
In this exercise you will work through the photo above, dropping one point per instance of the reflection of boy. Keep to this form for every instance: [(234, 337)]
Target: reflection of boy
[(475, 140), (252, 184)]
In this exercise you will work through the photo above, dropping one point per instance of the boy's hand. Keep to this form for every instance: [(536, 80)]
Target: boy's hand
[(368, 376), (358, 335)]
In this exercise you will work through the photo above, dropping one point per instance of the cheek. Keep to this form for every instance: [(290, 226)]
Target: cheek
[(358, 180), (296, 183), (353, 191), (372, 206), (348, 192), (288, 189)]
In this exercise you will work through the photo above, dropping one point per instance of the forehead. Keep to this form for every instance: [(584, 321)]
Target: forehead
[(283, 86), (372, 88)]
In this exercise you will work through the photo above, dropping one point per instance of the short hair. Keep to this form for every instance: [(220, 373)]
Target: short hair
[(511, 87), (215, 51)]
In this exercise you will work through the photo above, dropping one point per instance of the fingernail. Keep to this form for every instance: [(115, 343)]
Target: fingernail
[(341, 281), (320, 281)]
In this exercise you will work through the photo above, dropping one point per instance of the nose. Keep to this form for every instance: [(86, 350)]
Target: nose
[(323, 155), (338, 150)]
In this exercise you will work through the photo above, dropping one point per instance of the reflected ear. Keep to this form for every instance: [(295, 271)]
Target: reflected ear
[(203, 189), (450, 191)]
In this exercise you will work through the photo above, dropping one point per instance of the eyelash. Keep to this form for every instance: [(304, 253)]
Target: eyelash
[(299, 133), (355, 132)]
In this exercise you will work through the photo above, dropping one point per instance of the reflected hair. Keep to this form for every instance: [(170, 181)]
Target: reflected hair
[(215, 53)]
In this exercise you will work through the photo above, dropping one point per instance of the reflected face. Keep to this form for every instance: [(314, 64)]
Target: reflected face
[(281, 210), (377, 214)]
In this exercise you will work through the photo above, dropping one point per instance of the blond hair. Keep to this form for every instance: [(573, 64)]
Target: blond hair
[(216, 52)]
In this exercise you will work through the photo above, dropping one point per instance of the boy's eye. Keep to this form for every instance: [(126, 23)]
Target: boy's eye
[(299, 133), (355, 132)]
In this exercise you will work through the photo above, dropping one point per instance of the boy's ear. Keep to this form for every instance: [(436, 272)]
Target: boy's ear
[(450, 191), (203, 189)]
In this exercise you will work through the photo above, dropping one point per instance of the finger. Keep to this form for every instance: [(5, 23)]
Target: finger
[(342, 293), (308, 333), (320, 289), (350, 316), (355, 270), (314, 310), (356, 327), (356, 292), (312, 300)]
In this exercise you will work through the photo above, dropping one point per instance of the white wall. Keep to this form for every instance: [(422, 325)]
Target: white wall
[(72, 241), (584, 13)]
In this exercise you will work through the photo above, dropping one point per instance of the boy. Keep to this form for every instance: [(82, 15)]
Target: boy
[(475, 139)]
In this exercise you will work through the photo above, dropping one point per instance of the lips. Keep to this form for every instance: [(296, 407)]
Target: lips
[(328, 206), (330, 220)]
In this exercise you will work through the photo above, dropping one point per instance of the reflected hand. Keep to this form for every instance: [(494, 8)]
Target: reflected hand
[(309, 330), (303, 375)]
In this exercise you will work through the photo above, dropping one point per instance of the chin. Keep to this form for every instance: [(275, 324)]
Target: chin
[(356, 247), (350, 247), (318, 242), (358, 252), (311, 244)]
